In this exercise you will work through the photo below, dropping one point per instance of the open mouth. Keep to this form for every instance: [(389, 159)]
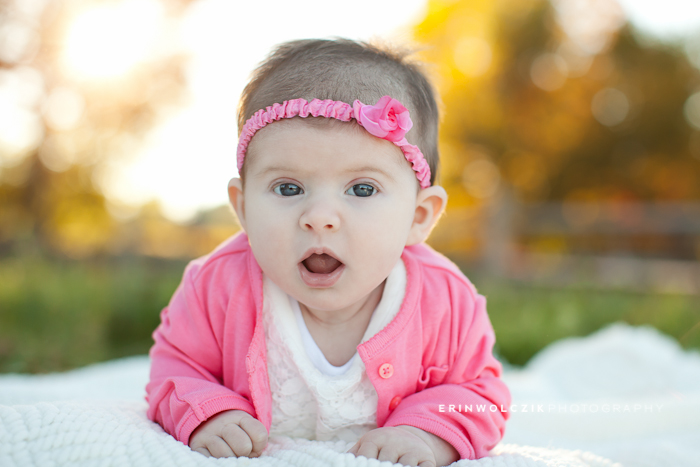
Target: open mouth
[(321, 270), (321, 264)]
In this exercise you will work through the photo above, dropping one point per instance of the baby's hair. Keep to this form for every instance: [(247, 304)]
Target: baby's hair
[(345, 70)]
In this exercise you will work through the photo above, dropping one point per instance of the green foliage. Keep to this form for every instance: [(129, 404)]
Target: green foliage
[(527, 318), (56, 315)]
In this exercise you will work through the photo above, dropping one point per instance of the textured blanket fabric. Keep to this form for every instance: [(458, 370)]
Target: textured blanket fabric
[(623, 396)]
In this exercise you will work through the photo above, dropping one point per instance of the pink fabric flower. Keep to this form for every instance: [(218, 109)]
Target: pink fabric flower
[(387, 119)]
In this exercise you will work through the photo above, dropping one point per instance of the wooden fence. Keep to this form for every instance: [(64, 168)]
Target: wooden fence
[(630, 245)]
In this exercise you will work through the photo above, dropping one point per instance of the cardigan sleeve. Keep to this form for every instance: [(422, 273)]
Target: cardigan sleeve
[(185, 387), (466, 404)]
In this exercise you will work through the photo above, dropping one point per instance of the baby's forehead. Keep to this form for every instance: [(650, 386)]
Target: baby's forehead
[(282, 132)]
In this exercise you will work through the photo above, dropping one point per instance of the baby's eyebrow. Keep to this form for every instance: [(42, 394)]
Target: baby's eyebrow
[(368, 168), (273, 168)]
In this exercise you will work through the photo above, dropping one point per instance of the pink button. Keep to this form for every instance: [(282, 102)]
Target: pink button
[(394, 402), (386, 370)]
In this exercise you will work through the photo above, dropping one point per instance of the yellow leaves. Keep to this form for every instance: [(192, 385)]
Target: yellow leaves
[(151, 234), (673, 180), (75, 220), (81, 228), (549, 72), (461, 34), (473, 56), (517, 79), (163, 238), (15, 222), (528, 172)]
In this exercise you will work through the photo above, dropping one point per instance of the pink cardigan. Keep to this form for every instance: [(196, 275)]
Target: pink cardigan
[(209, 353)]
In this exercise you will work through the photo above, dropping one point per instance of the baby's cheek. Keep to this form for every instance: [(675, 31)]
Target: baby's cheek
[(268, 250)]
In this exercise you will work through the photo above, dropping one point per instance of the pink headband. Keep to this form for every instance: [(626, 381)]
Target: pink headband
[(388, 119)]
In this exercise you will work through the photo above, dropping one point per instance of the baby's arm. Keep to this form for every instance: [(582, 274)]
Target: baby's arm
[(407, 445), (471, 378), (185, 387)]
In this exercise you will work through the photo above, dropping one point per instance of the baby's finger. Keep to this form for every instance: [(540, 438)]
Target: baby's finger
[(218, 447), (203, 451), (368, 449), (427, 464), (409, 459), (237, 440), (388, 453), (257, 433), (353, 450)]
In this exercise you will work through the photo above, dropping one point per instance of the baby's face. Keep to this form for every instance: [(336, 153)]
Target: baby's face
[(328, 209)]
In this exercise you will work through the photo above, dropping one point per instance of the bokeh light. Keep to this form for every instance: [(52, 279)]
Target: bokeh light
[(107, 40), (481, 178), (691, 110), (20, 127), (549, 72), (610, 106), (473, 56), (63, 108), (590, 24)]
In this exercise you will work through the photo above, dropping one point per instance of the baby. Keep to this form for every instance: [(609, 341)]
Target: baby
[(328, 318)]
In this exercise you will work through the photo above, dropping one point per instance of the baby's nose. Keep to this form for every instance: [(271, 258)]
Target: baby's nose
[(321, 216)]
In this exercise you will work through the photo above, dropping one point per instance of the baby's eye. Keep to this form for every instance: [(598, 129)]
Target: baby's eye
[(362, 190), (288, 189)]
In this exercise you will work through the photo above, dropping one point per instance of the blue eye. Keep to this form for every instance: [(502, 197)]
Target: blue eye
[(288, 189), (362, 190)]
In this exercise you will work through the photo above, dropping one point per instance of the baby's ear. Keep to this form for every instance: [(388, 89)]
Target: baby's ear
[(430, 204), (235, 196)]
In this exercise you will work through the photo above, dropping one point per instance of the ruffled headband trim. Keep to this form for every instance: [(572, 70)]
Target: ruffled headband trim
[(388, 119)]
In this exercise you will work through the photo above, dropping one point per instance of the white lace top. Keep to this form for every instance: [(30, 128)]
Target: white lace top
[(311, 398)]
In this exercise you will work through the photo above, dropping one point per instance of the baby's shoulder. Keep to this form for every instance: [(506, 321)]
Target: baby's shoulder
[(227, 263), (444, 294), (436, 267)]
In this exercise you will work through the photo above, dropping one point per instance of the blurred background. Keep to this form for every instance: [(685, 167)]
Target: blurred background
[(570, 151)]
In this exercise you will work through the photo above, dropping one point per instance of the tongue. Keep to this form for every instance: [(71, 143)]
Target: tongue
[(321, 264)]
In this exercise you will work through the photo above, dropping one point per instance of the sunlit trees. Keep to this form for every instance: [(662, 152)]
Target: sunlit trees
[(561, 102), (555, 100), (80, 82)]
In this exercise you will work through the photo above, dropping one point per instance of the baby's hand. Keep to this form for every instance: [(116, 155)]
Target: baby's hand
[(406, 445), (233, 433)]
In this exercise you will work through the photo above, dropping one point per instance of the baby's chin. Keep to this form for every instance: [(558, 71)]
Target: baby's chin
[(324, 300), (321, 299), (347, 292), (336, 301)]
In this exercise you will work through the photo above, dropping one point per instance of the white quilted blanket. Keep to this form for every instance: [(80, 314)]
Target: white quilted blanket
[(623, 396)]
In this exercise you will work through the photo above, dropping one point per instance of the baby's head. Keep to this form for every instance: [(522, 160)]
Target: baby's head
[(328, 203), (344, 70)]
